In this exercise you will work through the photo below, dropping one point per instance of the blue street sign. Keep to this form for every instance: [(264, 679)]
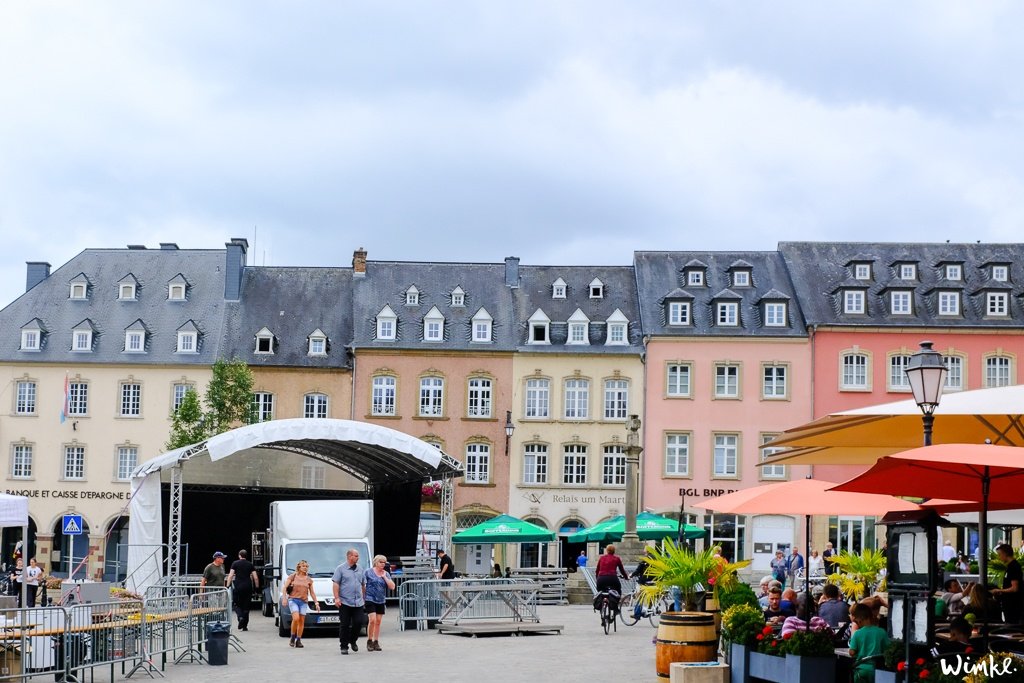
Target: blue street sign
[(72, 525)]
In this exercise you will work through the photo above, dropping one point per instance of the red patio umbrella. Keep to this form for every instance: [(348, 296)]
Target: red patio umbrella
[(805, 497), (991, 475)]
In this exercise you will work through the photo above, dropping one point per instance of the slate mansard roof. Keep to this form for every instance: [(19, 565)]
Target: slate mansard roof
[(49, 306), (292, 303), (823, 271), (618, 293), (661, 277), (386, 283)]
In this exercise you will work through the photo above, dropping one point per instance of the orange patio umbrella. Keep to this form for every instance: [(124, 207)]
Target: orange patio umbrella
[(805, 497), (993, 476)]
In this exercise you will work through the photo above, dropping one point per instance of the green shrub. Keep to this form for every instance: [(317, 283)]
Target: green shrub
[(741, 624), (738, 594)]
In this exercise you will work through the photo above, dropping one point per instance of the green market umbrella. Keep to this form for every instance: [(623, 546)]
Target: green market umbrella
[(504, 529), (649, 527)]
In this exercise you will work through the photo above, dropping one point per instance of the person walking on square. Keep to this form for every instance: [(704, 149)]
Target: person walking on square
[(298, 588), (32, 576), (349, 596), (378, 583), (827, 556), (445, 566), (243, 581), (213, 574)]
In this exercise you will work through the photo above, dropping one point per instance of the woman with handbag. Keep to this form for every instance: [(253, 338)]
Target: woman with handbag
[(298, 589)]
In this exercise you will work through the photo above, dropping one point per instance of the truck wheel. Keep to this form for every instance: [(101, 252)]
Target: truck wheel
[(268, 609), (284, 630)]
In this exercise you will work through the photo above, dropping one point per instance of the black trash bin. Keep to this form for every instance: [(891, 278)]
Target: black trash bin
[(217, 633), (69, 657)]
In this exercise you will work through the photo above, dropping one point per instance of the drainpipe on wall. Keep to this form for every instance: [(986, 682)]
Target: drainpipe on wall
[(643, 389)]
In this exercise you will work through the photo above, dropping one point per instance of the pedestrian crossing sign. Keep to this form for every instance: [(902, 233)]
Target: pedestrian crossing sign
[(72, 525)]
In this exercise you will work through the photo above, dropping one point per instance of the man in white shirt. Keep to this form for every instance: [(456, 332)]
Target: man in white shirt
[(947, 552)]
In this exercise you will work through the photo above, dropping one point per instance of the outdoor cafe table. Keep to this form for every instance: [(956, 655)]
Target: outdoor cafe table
[(467, 601)]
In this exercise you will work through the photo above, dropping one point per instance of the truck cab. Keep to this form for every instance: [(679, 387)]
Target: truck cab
[(321, 532)]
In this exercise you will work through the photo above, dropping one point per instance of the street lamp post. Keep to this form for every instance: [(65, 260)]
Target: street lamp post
[(926, 373), (509, 428), (682, 516)]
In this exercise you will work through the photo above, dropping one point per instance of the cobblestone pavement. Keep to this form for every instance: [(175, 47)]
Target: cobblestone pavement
[(581, 652)]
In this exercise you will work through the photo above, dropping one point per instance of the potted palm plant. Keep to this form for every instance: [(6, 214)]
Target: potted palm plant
[(687, 636), (857, 572)]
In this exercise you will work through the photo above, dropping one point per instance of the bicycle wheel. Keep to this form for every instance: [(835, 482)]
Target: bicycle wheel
[(606, 616), (661, 605), (626, 610)]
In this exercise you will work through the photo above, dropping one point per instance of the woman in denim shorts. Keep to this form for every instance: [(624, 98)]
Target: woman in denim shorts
[(298, 588)]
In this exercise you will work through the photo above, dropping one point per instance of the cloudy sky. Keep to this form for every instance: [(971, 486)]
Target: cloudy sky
[(561, 132)]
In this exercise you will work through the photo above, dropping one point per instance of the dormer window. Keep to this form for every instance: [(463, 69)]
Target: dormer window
[(81, 340), (997, 304), (187, 342), (579, 328), (900, 303), (30, 340), (387, 324), (954, 271), (727, 313), (539, 328), (177, 288), (412, 296), (1000, 273), (458, 297), (482, 326), (135, 338), (264, 342), (853, 301), (126, 288), (317, 343), (433, 325), (775, 314), (32, 336), (949, 303), (908, 271), (558, 289), (695, 278), (678, 313), (618, 329), (741, 278), (862, 271), (596, 289), (79, 287)]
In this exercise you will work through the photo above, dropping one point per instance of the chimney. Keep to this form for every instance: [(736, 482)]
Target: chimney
[(359, 262), (36, 272), (235, 255), (512, 272), (169, 245)]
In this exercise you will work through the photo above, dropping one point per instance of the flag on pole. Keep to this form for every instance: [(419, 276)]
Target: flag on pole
[(66, 406)]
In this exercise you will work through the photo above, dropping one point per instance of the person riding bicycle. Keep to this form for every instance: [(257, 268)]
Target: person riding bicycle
[(642, 579), (609, 568)]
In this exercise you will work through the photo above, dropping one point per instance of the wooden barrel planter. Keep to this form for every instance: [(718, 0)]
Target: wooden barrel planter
[(685, 637)]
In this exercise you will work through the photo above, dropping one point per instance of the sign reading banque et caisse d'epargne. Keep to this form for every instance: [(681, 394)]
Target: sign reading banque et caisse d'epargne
[(68, 494)]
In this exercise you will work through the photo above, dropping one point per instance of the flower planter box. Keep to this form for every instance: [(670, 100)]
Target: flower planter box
[(767, 667), (788, 669), (739, 663), (885, 676)]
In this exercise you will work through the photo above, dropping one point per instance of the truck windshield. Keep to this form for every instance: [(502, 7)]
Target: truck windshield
[(323, 556)]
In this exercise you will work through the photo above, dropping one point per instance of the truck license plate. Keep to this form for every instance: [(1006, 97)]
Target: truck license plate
[(327, 619)]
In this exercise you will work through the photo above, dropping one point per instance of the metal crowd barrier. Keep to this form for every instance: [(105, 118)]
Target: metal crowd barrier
[(122, 636), (420, 604)]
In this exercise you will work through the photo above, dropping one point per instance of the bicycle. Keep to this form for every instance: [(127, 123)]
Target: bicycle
[(630, 615), (607, 611)]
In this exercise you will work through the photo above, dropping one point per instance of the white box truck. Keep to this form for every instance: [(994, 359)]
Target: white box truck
[(321, 533)]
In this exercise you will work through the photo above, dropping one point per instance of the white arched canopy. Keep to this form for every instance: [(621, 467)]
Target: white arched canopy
[(372, 454)]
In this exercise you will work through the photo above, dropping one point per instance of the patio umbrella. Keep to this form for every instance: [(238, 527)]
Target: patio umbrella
[(861, 436), (990, 475), (649, 527), (803, 497), (504, 529)]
